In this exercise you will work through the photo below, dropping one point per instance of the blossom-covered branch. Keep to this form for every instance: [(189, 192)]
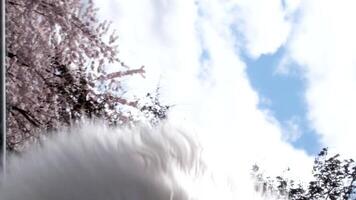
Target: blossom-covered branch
[(57, 51)]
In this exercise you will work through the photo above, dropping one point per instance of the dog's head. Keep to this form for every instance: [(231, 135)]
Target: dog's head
[(94, 162)]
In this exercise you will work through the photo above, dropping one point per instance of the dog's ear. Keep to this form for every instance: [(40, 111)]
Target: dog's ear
[(168, 148), (94, 162)]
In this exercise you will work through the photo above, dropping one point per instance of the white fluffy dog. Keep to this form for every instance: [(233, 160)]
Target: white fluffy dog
[(94, 162)]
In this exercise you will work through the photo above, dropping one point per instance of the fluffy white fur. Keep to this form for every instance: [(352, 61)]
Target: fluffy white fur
[(94, 162)]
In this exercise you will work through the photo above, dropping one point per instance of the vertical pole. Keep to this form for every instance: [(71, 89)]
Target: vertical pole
[(3, 93)]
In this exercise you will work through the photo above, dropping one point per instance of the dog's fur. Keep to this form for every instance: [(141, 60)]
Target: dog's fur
[(94, 162)]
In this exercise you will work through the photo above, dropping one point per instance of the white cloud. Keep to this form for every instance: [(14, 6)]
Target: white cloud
[(264, 24), (324, 45), (292, 130), (169, 36)]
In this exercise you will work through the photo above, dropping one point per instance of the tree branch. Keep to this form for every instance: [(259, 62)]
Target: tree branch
[(27, 115)]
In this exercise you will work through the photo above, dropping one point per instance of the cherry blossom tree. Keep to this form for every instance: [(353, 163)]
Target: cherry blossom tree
[(57, 53)]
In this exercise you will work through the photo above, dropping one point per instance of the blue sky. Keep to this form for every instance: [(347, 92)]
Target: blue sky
[(281, 94), (284, 94)]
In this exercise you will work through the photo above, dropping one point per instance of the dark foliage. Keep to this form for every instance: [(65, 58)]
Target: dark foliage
[(334, 179), (152, 109)]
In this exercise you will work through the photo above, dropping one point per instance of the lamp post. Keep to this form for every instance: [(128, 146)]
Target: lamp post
[(3, 93)]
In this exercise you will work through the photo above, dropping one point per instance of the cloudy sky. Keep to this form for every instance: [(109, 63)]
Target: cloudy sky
[(260, 81)]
